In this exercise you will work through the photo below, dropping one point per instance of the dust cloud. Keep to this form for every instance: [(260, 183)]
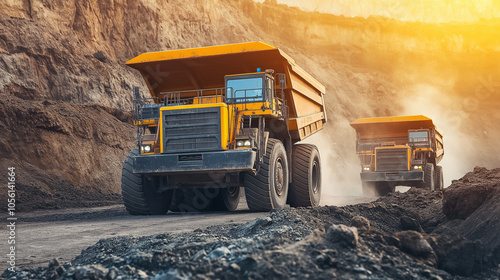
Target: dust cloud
[(340, 173), (466, 120), (430, 101)]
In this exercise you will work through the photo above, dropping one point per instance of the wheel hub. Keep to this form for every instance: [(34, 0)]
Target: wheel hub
[(315, 177), (278, 178)]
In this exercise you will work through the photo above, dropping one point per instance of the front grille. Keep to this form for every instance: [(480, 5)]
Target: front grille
[(191, 130), (392, 159)]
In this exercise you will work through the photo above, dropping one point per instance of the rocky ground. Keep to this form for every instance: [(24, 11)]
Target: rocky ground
[(401, 236)]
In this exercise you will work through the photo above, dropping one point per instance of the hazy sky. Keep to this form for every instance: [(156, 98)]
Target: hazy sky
[(407, 10)]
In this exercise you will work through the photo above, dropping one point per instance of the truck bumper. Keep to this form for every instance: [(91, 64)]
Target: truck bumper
[(398, 176), (220, 161)]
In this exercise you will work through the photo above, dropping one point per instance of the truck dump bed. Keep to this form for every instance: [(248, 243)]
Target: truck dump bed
[(394, 128), (205, 68), (390, 127)]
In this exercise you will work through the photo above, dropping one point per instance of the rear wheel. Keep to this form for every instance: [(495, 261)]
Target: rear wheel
[(177, 200), (198, 199), (305, 189), (231, 197), (429, 177), (140, 194), (384, 188), (227, 199), (377, 188), (269, 188), (439, 178)]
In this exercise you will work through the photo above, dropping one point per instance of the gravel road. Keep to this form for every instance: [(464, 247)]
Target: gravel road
[(63, 234)]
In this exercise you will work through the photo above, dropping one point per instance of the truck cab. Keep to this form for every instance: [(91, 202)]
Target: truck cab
[(247, 88)]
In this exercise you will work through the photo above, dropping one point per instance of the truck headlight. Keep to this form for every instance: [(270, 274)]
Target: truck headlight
[(146, 149), (366, 168), (243, 143), (417, 167)]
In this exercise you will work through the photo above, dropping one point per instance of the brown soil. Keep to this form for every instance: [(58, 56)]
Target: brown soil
[(58, 60), (65, 155), (400, 236)]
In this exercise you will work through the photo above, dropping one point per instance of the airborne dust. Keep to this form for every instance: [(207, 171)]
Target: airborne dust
[(447, 72)]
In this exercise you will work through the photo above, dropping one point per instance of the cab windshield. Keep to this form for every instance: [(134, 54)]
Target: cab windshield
[(418, 136), (248, 89)]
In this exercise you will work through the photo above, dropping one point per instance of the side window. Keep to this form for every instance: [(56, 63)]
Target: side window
[(269, 89)]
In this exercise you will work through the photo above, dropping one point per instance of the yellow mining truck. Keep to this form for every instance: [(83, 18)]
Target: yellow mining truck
[(399, 151), (220, 119)]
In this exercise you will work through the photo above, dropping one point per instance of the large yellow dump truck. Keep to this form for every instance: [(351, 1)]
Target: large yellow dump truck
[(220, 118), (399, 151)]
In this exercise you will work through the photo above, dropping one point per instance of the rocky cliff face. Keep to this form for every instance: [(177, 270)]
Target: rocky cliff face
[(58, 59)]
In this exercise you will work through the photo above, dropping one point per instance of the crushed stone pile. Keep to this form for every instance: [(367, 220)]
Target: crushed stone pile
[(401, 236)]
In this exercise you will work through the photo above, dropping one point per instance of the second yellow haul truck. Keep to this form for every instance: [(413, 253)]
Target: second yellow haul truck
[(403, 150), (220, 118)]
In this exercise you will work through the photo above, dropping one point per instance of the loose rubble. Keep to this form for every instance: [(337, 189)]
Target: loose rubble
[(394, 237)]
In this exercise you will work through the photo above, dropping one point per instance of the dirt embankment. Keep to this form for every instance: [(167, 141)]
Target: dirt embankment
[(65, 155), (399, 236)]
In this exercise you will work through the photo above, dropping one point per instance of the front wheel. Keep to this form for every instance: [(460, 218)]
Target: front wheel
[(268, 189), (140, 194)]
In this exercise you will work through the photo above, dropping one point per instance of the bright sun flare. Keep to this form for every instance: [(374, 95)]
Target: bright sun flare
[(432, 11)]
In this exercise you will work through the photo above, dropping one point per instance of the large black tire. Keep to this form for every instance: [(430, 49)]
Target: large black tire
[(231, 197), (199, 199), (429, 182), (227, 199), (177, 200), (384, 188), (377, 188), (140, 194), (269, 188), (305, 189), (439, 178)]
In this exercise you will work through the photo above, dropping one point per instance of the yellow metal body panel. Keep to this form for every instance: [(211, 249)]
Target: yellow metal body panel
[(224, 118), (200, 52), (205, 68), (208, 100), (150, 122)]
